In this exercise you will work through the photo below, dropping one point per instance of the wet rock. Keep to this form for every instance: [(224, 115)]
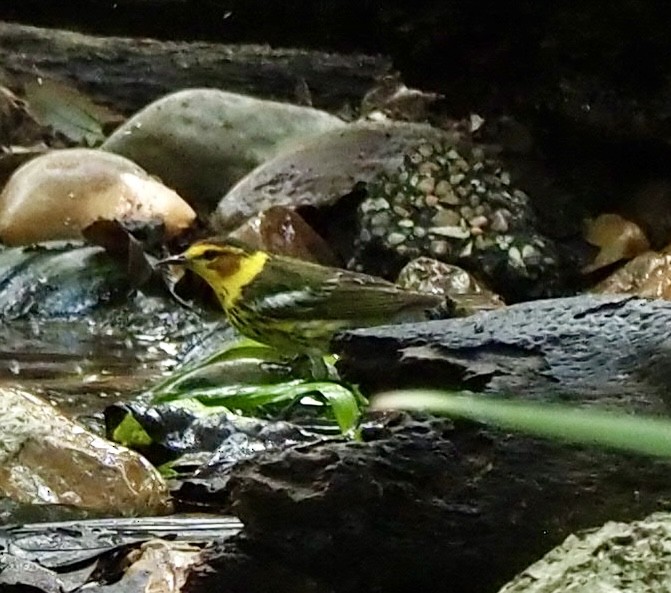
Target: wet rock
[(464, 294), (46, 458), (647, 276), (455, 204), (617, 239), (618, 557), (56, 195), (472, 489), (587, 348), (281, 230), (58, 279), (201, 141), (320, 170)]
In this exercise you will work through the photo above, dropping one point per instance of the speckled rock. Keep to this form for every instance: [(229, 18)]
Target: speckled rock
[(201, 141), (617, 558), (322, 169), (455, 204)]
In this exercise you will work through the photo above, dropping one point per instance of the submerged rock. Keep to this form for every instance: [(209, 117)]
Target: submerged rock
[(45, 458)]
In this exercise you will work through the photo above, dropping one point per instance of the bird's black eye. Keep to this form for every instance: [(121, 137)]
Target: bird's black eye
[(210, 255)]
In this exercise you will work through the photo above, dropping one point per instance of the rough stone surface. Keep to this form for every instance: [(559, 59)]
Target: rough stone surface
[(419, 505), (605, 349), (201, 141)]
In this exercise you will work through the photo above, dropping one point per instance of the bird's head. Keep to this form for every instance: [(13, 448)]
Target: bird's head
[(226, 266)]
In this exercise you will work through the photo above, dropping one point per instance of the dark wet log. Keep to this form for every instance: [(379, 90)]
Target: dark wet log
[(422, 506), (601, 349), (129, 73)]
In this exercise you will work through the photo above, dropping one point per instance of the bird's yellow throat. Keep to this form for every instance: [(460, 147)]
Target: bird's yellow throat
[(230, 273)]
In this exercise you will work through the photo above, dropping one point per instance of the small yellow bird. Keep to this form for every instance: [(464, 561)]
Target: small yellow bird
[(293, 305)]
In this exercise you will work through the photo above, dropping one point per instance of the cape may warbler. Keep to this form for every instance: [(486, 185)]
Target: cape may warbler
[(293, 305)]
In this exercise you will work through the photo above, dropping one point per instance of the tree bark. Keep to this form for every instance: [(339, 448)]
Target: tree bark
[(129, 73)]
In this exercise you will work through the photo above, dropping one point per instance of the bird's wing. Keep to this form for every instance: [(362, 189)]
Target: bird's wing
[(340, 295)]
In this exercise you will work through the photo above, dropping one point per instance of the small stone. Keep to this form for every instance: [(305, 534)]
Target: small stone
[(463, 191), (505, 178), (418, 202), (419, 232), (474, 201), (475, 231), (461, 165), (401, 211), (466, 212), (478, 154), (446, 218), (406, 223), (389, 188), (365, 236), (457, 178), (452, 154), (503, 241), (446, 194), (454, 232), (380, 219), (478, 221), (373, 205), (403, 176), (480, 210), (439, 247), (426, 185), (428, 168), (416, 158), (467, 251), (431, 200), (499, 222), (426, 150), (478, 167), (395, 239), (529, 252), (443, 188), (378, 231), (515, 257)]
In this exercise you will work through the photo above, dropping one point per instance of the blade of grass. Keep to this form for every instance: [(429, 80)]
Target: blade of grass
[(639, 434)]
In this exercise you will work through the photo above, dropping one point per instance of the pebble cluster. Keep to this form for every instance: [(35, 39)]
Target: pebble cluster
[(457, 206)]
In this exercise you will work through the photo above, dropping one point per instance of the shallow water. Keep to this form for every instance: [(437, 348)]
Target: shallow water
[(82, 366)]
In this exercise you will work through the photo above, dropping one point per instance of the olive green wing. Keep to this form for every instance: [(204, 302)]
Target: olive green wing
[(300, 291)]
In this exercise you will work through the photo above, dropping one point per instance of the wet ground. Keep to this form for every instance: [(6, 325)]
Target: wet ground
[(82, 366)]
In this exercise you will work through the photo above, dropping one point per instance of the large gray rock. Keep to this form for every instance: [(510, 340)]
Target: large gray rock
[(201, 141), (320, 170)]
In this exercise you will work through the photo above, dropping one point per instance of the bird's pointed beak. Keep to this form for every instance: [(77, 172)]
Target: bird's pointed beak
[(173, 260)]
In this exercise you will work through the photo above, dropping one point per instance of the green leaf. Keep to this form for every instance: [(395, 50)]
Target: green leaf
[(344, 404), (586, 426), (130, 433), (67, 111)]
